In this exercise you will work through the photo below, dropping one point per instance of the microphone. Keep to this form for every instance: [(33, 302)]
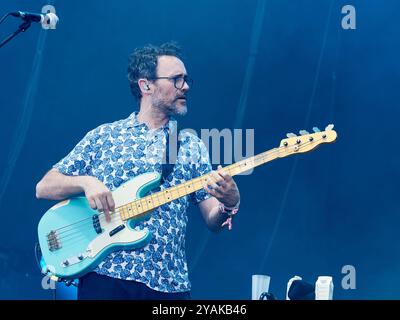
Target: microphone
[(28, 16), (47, 21)]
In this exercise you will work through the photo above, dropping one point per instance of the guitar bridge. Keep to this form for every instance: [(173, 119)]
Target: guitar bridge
[(53, 241)]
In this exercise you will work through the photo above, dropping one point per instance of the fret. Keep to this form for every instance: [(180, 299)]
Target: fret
[(130, 210), (160, 198), (124, 211), (233, 169), (149, 202), (199, 182), (190, 186), (264, 157), (177, 194), (170, 194), (183, 190), (229, 170), (162, 193), (140, 206), (194, 184), (135, 208), (121, 212), (176, 190), (156, 200), (167, 195), (203, 180), (174, 194), (144, 204)]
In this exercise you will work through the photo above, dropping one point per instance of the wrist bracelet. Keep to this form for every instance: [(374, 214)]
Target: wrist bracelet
[(231, 211), (225, 209)]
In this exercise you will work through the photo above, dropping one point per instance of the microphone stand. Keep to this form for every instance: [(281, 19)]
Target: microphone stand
[(22, 28)]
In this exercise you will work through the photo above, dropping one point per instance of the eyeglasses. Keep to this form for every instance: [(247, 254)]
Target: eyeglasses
[(179, 80)]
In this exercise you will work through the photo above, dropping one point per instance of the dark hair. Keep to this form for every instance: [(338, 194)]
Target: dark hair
[(143, 63)]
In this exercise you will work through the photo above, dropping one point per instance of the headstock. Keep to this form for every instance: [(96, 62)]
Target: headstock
[(306, 141)]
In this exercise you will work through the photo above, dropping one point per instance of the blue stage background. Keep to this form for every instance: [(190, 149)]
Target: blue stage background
[(307, 215)]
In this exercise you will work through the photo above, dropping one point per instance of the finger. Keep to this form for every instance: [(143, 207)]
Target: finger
[(217, 191), (206, 188), (212, 183), (106, 209), (210, 191), (216, 176), (225, 175), (111, 206), (110, 201), (107, 215), (98, 204), (221, 181), (92, 203), (223, 184)]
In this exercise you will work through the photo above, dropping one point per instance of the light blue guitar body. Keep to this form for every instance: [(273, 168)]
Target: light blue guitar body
[(74, 238)]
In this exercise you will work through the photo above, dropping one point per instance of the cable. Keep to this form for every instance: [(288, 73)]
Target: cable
[(38, 254), (4, 17)]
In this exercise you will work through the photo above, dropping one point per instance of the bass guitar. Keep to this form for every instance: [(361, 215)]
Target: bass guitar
[(74, 238)]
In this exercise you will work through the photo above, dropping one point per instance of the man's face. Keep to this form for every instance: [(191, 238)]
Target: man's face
[(166, 96)]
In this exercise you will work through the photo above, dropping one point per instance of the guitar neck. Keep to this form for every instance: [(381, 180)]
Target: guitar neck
[(143, 205), (294, 144)]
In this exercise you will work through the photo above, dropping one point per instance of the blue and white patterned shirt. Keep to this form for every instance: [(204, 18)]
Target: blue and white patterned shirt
[(116, 152)]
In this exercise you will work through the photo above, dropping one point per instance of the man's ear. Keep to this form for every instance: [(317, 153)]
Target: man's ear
[(144, 86)]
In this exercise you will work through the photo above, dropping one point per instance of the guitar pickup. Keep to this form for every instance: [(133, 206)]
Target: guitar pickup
[(96, 224), (116, 230)]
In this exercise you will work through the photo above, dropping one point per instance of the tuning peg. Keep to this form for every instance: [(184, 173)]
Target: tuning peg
[(304, 132), (315, 129), (291, 135), (329, 127)]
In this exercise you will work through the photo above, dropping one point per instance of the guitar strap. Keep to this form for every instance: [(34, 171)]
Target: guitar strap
[(168, 166)]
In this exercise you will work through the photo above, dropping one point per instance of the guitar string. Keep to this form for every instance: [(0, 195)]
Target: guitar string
[(115, 217), (261, 157), (90, 222)]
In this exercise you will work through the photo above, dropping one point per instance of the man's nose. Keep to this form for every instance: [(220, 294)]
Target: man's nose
[(185, 87)]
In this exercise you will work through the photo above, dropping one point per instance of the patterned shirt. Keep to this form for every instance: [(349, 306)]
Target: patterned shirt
[(119, 151)]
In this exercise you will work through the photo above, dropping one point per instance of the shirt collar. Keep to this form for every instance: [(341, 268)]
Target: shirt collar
[(133, 122)]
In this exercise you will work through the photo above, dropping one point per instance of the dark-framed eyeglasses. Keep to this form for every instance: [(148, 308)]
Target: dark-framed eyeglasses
[(179, 80)]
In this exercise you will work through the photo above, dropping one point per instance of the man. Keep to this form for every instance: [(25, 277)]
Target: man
[(113, 153)]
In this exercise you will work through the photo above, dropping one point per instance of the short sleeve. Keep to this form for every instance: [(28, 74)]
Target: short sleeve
[(201, 167), (79, 161)]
